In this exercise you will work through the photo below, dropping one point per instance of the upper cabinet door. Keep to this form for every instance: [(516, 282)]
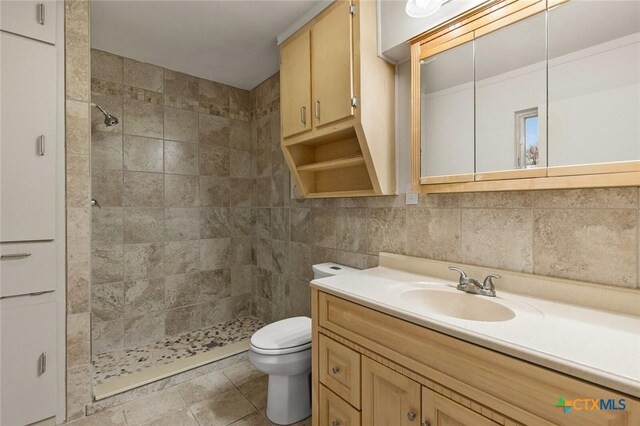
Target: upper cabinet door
[(295, 74), (332, 65), (33, 19), (388, 397), (27, 139)]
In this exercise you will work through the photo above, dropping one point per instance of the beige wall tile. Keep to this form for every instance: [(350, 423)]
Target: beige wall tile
[(214, 130), (215, 254), (182, 320), (144, 76), (387, 231), (78, 340), (77, 127), (180, 125), (614, 198), (182, 223), (213, 98), (143, 260), (78, 390), (107, 226), (143, 154), (214, 191), (78, 179), (143, 296), (106, 150), (107, 336), (143, 189), (181, 191), (77, 72), (180, 158), (587, 245), (106, 66), (434, 233), (214, 161), (143, 329), (182, 257), (182, 289), (78, 277), (106, 264), (106, 187), (240, 164), (214, 222), (143, 225), (179, 84), (143, 119), (502, 238), (107, 302), (240, 135)]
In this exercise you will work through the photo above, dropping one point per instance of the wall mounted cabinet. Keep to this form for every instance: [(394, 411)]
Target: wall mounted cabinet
[(337, 105), (33, 19), (528, 94)]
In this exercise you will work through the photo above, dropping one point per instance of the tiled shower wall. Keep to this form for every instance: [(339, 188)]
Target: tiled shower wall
[(588, 235), (171, 245)]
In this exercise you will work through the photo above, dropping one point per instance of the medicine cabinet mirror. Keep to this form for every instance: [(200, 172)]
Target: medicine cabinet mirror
[(526, 94)]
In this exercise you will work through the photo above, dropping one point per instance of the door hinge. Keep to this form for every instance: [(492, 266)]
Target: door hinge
[(354, 102), (352, 10)]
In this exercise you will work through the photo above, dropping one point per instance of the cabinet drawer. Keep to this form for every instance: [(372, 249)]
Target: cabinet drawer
[(28, 360), (335, 412), (33, 19), (340, 370), (27, 268)]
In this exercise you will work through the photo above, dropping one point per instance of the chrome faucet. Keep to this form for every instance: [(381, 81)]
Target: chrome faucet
[(471, 285)]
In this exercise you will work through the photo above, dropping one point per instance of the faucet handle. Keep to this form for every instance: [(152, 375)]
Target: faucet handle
[(463, 274), (488, 281)]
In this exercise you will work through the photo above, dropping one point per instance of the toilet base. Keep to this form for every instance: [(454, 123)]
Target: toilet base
[(289, 398)]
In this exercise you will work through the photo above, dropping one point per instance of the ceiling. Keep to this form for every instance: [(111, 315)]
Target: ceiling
[(231, 42)]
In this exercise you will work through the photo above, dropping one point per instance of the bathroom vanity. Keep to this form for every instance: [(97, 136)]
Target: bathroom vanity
[(398, 344)]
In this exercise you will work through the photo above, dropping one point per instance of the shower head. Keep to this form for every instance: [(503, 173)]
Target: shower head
[(109, 120)]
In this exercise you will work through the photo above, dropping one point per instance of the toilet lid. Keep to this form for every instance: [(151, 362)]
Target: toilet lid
[(290, 335)]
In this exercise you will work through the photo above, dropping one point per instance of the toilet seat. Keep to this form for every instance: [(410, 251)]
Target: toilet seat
[(283, 337)]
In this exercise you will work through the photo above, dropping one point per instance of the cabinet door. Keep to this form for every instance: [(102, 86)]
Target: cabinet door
[(295, 85), (440, 411), (332, 65), (33, 19), (27, 360), (27, 139), (336, 412), (388, 397)]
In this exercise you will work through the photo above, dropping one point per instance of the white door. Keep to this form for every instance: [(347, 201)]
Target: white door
[(33, 19), (28, 360), (27, 139)]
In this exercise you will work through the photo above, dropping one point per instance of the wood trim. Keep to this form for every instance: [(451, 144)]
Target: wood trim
[(426, 51), (432, 180), (512, 174), (345, 380), (333, 410), (315, 361), (415, 117), (550, 182), (518, 389), (535, 8), (339, 163), (593, 169)]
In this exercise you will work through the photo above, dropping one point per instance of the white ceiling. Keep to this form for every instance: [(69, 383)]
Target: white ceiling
[(231, 42)]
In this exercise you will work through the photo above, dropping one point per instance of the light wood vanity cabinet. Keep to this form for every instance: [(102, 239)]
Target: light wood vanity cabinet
[(397, 373), (337, 105)]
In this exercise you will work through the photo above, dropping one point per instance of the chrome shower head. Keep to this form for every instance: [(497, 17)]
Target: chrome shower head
[(109, 120)]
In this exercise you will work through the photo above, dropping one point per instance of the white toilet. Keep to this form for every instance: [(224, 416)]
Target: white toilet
[(283, 351)]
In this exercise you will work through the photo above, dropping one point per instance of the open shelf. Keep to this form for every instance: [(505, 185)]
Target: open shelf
[(338, 163)]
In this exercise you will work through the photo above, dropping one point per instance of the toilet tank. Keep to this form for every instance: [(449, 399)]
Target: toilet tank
[(330, 269)]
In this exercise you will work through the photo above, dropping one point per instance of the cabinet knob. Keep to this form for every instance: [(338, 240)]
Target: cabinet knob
[(335, 423), (411, 415), (335, 370)]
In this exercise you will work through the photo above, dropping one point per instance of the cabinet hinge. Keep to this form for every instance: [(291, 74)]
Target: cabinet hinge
[(352, 10), (354, 102)]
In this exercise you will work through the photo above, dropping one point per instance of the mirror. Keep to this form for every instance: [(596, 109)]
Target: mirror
[(446, 113), (594, 82), (511, 97)]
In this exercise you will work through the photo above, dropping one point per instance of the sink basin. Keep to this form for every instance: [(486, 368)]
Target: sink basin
[(457, 304)]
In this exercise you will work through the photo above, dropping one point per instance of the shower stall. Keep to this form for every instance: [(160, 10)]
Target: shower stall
[(171, 235)]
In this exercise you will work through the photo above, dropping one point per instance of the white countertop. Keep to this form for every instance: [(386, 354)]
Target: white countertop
[(597, 346)]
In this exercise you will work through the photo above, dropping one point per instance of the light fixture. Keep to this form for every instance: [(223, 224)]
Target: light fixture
[(423, 8)]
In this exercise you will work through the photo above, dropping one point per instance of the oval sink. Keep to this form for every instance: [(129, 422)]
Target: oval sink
[(456, 304)]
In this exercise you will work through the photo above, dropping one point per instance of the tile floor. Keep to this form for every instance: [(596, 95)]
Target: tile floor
[(236, 395), (127, 361)]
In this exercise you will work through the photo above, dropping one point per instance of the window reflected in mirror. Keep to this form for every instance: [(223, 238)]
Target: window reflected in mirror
[(594, 82), (447, 113)]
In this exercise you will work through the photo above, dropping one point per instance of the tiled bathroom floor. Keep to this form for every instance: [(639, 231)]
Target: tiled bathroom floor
[(236, 395), (127, 361)]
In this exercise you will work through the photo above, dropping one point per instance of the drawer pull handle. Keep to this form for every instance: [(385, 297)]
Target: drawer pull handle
[(411, 415), (41, 13), (335, 423), (426, 423), (41, 145), (42, 364), (15, 256), (303, 115), (335, 370), (317, 110)]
